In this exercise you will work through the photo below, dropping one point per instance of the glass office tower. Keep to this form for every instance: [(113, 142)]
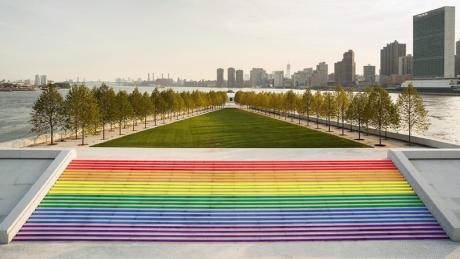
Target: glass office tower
[(434, 39)]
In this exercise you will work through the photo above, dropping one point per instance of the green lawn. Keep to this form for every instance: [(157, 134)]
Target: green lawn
[(231, 128)]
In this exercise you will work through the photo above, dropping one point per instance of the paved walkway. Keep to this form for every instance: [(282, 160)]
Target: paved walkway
[(114, 133), (370, 140)]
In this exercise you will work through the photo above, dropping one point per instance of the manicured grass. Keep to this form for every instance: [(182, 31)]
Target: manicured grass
[(231, 128)]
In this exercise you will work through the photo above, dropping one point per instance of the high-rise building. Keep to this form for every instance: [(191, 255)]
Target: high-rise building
[(299, 79), (278, 78), (345, 70), (319, 77), (37, 80), (389, 58), (258, 77), (220, 77), (288, 70), (43, 80), (433, 34), (338, 72), (239, 78), (369, 74), (405, 65), (457, 59), (230, 77)]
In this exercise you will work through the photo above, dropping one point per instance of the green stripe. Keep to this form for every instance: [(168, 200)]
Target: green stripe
[(69, 205), (205, 197)]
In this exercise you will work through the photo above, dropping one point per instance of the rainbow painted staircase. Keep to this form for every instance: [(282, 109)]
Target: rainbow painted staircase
[(214, 201)]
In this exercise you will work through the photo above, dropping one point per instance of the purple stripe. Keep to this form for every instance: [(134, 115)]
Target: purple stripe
[(232, 231), (239, 240), (222, 226), (238, 236)]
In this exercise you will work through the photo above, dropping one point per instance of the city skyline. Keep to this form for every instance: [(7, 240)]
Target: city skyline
[(133, 40)]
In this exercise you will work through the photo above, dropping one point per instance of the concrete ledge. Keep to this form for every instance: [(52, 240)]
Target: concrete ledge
[(18, 215), (435, 177), (422, 141)]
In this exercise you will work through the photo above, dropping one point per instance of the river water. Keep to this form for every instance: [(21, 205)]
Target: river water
[(15, 108)]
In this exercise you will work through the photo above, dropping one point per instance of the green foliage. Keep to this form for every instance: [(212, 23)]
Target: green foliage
[(48, 112), (414, 117), (383, 112), (105, 97), (82, 110), (123, 110)]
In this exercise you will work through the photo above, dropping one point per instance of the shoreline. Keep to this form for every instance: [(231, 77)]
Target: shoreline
[(17, 89)]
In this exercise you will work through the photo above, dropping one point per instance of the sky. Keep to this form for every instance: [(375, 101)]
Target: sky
[(104, 40)]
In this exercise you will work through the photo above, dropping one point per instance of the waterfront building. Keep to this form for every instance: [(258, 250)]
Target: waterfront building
[(239, 78), (345, 70), (405, 65), (278, 78), (258, 77), (43, 80), (319, 77), (230, 77), (369, 74), (220, 77), (389, 58), (288, 70), (337, 72), (299, 79), (433, 37), (37, 80)]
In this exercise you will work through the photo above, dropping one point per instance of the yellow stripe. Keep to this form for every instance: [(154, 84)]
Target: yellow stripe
[(219, 192)]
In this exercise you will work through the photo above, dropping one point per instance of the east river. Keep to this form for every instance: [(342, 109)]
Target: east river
[(15, 109)]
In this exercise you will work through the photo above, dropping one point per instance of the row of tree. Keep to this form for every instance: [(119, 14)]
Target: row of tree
[(86, 111), (372, 107)]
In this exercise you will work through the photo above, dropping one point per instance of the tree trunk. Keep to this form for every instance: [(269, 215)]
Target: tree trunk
[(52, 134), (119, 128), (343, 125), (145, 122), (82, 136)]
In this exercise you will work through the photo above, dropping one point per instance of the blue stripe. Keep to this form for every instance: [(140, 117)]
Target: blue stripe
[(227, 223), (227, 214), (233, 211), (233, 218)]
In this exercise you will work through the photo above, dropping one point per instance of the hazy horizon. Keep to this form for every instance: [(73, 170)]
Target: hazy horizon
[(191, 39)]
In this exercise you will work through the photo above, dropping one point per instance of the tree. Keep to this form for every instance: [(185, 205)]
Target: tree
[(289, 102), (307, 102), (147, 107), (155, 104), (412, 111), (350, 94), (318, 100), (342, 106), (357, 111), (123, 109), (72, 109), (106, 101), (82, 110), (135, 99), (329, 108), (382, 109), (48, 112), (300, 106)]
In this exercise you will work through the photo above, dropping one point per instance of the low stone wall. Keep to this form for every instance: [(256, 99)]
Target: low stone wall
[(34, 140), (427, 142)]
